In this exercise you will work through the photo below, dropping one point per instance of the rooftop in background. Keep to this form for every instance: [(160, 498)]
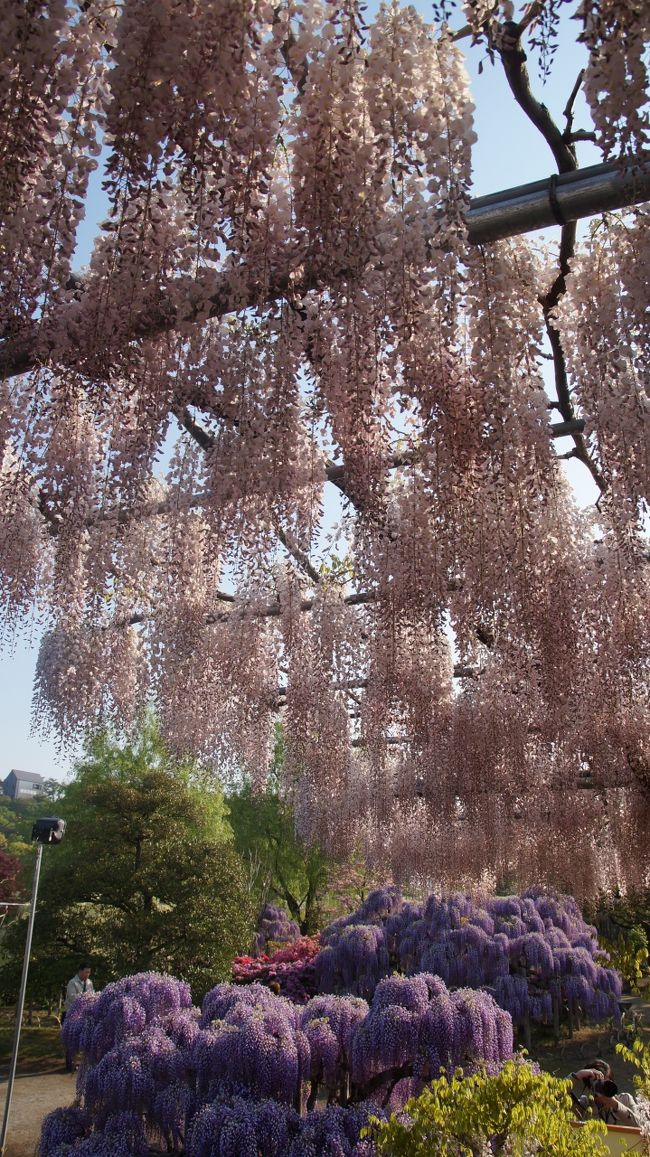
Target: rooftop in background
[(22, 784)]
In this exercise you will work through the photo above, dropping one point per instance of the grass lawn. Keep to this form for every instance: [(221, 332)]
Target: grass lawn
[(40, 1047)]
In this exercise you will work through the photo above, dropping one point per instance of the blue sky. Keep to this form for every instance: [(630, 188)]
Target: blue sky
[(509, 152)]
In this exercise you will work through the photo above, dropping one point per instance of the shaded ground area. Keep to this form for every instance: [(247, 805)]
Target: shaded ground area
[(593, 1041), (41, 1081), (39, 1042), (42, 1084)]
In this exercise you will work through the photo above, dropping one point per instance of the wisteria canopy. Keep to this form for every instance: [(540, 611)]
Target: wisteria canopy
[(282, 299), (237, 1075)]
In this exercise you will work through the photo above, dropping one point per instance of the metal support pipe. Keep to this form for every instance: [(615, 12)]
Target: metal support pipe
[(558, 199), (21, 1000), (554, 201)]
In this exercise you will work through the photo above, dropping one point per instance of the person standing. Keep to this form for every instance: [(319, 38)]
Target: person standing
[(78, 984)]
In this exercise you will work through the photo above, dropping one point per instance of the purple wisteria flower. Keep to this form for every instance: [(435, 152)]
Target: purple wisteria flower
[(128, 1075), (62, 1128), (274, 927), (255, 1043), (235, 1077), (538, 938), (354, 960), (95, 1024), (123, 1135), (218, 1002), (236, 1125)]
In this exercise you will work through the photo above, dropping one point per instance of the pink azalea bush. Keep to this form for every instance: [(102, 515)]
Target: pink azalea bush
[(289, 971)]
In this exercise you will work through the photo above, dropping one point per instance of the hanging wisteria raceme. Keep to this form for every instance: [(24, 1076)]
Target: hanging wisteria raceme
[(236, 1124), (317, 765), (282, 298), (96, 1024), (274, 927), (21, 545), (330, 1023), (616, 80), (604, 322), (243, 1074), (353, 960), (63, 1127), (123, 1135), (534, 952), (51, 99)]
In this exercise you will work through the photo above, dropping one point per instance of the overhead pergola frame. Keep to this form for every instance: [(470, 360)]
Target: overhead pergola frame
[(507, 414), (562, 199), (558, 200)]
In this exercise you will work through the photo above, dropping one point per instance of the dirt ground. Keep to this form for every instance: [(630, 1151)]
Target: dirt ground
[(35, 1094), (591, 1042)]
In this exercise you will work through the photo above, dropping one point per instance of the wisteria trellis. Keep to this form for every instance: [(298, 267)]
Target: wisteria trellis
[(284, 275)]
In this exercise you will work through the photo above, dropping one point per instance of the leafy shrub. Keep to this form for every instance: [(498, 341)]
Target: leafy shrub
[(515, 1111), (289, 971), (628, 954), (638, 1055)]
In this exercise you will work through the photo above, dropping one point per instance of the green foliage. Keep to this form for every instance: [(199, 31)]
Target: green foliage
[(281, 868), (147, 876), (638, 1055), (16, 819), (615, 913), (517, 1111), (629, 954), (315, 888), (348, 883)]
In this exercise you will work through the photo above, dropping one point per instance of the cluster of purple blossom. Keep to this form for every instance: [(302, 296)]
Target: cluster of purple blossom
[(254, 1073), (274, 929), (237, 1125), (534, 952)]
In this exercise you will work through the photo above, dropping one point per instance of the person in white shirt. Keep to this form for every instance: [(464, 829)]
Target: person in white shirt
[(79, 984)]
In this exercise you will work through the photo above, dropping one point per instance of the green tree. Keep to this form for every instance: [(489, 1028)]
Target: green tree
[(314, 887), (16, 820), (628, 954), (147, 876), (516, 1111), (281, 867)]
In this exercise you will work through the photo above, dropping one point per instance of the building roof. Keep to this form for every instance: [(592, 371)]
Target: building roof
[(28, 776)]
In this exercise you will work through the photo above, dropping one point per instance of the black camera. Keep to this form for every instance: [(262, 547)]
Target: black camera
[(50, 830)]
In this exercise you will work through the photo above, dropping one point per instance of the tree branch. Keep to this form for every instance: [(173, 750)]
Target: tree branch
[(514, 58), (514, 63), (568, 108)]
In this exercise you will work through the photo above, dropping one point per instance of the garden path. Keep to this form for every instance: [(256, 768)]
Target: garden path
[(35, 1094)]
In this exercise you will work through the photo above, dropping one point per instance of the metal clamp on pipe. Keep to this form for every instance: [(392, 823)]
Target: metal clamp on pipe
[(557, 200)]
